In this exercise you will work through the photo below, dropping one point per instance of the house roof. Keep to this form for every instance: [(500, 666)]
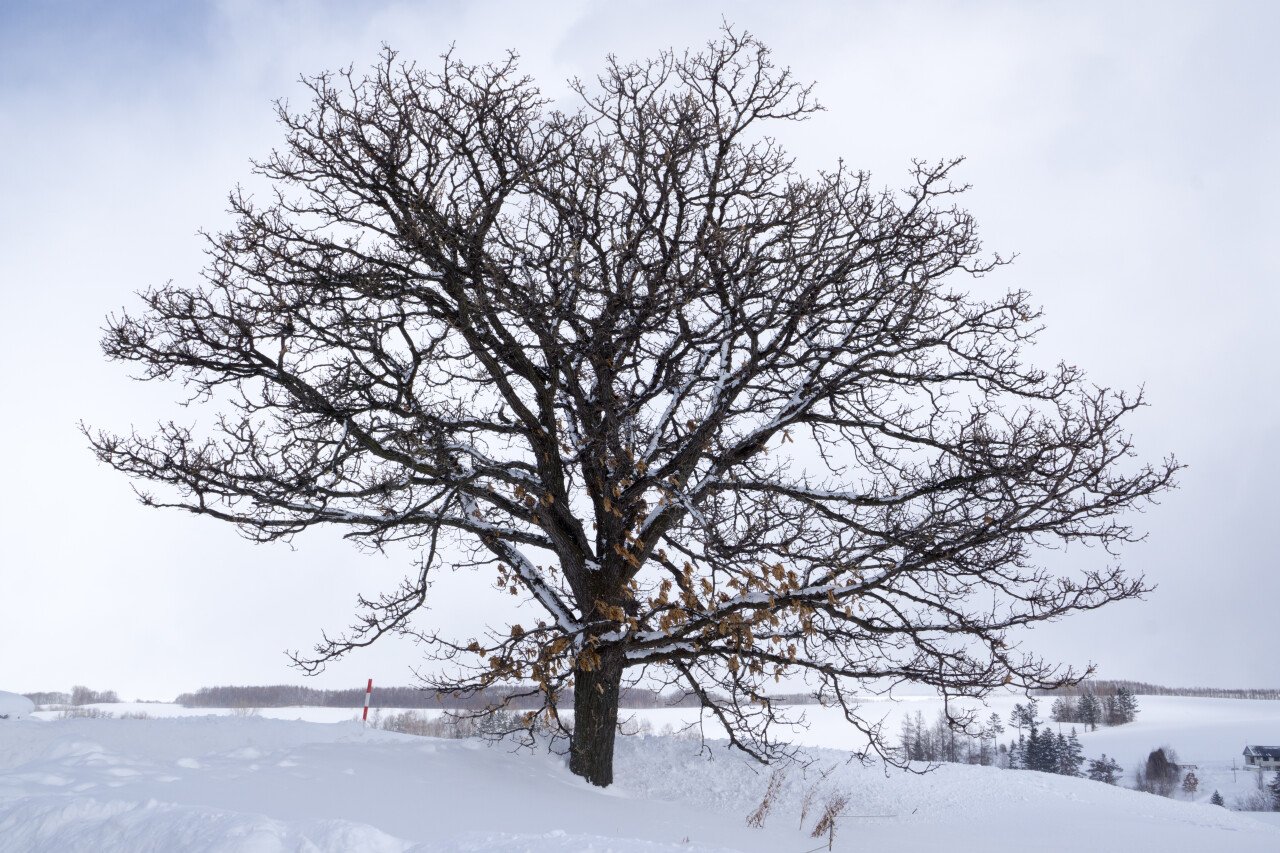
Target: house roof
[(1271, 753)]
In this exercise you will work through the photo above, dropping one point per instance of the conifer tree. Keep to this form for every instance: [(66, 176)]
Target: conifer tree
[(1059, 754), (1090, 711), (1126, 705), (1216, 799), (1110, 715), (1018, 753), (1042, 751), (1070, 754), (1274, 787), (991, 732), (1104, 770), (1033, 752), (1018, 718)]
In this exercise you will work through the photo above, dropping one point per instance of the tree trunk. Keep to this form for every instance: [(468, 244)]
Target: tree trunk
[(595, 719)]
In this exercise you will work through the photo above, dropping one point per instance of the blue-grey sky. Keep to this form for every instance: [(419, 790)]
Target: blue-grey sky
[(1125, 151)]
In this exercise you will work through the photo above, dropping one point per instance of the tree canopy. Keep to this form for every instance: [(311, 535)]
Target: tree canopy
[(726, 423)]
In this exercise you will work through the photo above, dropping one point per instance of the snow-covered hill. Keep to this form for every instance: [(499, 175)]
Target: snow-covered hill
[(253, 784)]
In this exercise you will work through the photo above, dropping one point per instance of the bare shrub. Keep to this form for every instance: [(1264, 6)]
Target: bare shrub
[(685, 732), (246, 712), (806, 802), (756, 819), (76, 711), (832, 809), (451, 726), (1254, 801), (136, 715), (635, 725)]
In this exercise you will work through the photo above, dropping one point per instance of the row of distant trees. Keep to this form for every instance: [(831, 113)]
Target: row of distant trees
[(1104, 688), (963, 741), (950, 740), (512, 698), (79, 695), (1092, 710), (1036, 747)]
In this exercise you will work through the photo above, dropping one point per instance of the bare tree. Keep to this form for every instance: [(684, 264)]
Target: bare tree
[(721, 421)]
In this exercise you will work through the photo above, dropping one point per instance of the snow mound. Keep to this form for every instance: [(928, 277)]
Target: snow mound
[(14, 706)]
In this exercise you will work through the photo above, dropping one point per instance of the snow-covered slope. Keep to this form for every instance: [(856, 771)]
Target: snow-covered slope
[(253, 784), (1208, 733)]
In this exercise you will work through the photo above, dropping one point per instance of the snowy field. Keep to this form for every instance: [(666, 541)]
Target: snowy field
[(1209, 733), (313, 781)]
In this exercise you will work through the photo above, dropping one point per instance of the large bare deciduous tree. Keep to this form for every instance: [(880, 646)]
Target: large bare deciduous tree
[(724, 422)]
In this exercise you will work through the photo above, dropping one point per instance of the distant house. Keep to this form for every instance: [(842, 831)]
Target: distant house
[(1262, 757)]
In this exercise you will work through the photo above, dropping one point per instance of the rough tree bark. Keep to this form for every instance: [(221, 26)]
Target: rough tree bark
[(595, 715), (722, 425)]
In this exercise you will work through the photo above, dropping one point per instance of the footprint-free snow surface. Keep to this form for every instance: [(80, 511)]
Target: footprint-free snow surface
[(262, 785)]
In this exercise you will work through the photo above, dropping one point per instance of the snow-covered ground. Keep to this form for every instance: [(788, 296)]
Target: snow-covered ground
[(1208, 733), (237, 783)]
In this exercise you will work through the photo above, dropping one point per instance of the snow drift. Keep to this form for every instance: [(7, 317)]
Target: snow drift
[(14, 706)]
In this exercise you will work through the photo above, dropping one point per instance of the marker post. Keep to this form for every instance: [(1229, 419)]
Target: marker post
[(368, 691)]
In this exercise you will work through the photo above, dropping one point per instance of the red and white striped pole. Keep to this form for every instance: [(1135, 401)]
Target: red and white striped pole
[(368, 691)]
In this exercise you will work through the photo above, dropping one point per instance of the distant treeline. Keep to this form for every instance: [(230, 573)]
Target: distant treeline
[(1142, 688), (79, 695), (288, 695)]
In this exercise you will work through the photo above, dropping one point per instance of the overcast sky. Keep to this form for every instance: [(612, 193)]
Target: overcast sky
[(1127, 153)]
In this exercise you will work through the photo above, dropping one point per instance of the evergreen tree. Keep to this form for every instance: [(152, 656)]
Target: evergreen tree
[(1033, 751), (1216, 799), (1060, 758), (991, 732), (1126, 705), (1190, 783), (1018, 718), (1047, 760), (1018, 753), (1274, 787), (1089, 710), (1065, 710), (1042, 751), (1104, 770), (1070, 754)]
